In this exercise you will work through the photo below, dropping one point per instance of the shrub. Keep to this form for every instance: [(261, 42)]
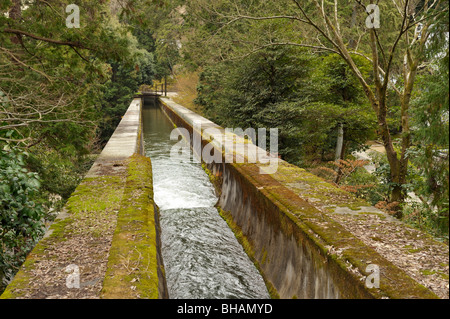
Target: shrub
[(21, 217)]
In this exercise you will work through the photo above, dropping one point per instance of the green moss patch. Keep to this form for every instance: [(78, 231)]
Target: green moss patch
[(132, 270)]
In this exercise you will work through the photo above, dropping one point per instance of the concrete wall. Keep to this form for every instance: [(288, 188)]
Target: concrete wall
[(285, 222), (108, 231)]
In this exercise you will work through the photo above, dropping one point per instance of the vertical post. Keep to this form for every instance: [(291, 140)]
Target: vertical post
[(339, 151), (339, 143), (165, 86)]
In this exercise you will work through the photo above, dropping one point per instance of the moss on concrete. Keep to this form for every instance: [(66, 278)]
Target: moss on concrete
[(324, 232), (133, 262), (133, 268), (99, 195), (216, 180), (315, 190)]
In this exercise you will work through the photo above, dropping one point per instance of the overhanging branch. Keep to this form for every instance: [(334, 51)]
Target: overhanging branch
[(37, 37)]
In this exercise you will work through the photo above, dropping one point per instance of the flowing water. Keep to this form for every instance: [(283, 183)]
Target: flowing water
[(202, 258)]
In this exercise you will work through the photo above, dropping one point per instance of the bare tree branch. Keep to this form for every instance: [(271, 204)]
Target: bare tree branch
[(15, 58)]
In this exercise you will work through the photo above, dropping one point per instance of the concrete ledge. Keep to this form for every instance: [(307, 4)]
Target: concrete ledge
[(290, 224), (110, 215), (134, 267), (125, 141)]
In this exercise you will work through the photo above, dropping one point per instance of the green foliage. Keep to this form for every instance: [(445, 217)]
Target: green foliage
[(336, 81), (305, 97), (430, 154), (383, 184), (263, 90), (59, 175), (21, 217), (120, 89), (53, 85), (335, 86), (367, 186), (156, 24)]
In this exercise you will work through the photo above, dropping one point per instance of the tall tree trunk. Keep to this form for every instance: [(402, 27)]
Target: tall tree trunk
[(398, 166), (352, 42), (399, 177), (339, 151), (339, 142)]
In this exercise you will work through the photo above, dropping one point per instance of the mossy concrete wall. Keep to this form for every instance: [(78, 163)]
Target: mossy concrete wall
[(284, 221), (108, 233)]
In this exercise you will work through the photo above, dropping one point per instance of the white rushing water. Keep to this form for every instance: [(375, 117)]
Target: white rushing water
[(201, 255)]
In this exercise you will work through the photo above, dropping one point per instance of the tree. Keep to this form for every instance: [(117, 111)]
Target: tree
[(430, 135), (21, 218), (395, 50), (264, 90), (156, 24), (337, 85), (49, 73), (288, 88)]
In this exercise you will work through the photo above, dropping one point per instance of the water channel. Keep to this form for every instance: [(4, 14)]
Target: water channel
[(202, 257)]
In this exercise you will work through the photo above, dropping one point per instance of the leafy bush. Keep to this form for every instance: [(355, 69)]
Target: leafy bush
[(21, 217), (59, 174)]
